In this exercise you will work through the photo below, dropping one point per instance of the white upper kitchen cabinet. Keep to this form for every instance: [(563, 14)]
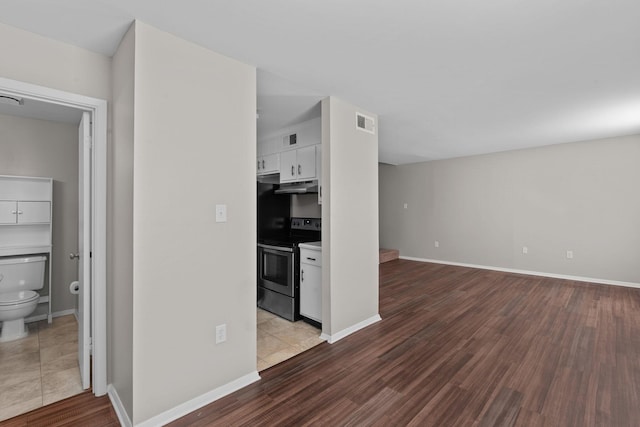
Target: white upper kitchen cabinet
[(298, 165), (268, 164)]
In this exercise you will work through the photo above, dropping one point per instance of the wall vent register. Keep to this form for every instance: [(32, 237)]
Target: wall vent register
[(365, 123), (290, 140)]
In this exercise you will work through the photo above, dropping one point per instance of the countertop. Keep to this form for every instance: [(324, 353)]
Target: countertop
[(311, 245)]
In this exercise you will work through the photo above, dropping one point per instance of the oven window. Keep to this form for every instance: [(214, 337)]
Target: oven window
[(275, 268)]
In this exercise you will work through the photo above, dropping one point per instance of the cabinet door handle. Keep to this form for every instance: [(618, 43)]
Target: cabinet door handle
[(311, 259), (263, 164), (302, 275), (19, 212), (258, 164), (293, 170), (14, 212), (299, 170)]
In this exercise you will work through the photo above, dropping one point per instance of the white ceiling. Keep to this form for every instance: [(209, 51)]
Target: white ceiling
[(448, 78)]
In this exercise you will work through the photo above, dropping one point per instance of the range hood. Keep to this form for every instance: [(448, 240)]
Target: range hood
[(273, 178), (298, 188)]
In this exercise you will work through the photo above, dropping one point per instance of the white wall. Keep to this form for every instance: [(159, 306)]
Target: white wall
[(120, 213), (305, 205), (30, 147), (194, 134), (194, 147), (350, 218), (484, 209), (308, 132), (31, 58)]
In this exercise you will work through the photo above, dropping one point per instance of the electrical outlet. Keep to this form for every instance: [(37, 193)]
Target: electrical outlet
[(570, 254), (525, 250), (436, 244), (406, 206), (221, 333)]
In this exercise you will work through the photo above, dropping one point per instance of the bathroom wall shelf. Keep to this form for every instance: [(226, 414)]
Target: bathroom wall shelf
[(26, 222)]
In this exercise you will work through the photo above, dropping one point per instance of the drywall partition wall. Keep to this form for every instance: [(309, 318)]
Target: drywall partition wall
[(194, 148), (35, 59), (120, 211), (579, 197), (30, 147), (350, 219)]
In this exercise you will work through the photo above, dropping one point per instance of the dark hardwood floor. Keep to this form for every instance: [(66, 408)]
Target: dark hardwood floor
[(459, 347), (81, 410)]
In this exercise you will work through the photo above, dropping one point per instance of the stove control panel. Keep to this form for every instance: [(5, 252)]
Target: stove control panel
[(311, 224)]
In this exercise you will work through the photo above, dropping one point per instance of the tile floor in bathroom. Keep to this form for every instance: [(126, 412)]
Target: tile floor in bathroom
[(280, 339), (39, 369)]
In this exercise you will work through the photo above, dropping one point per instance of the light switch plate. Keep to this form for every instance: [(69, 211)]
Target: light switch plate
[(221, 333), (221, 213)]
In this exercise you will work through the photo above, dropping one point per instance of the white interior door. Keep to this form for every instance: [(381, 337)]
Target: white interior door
[(84, 249)]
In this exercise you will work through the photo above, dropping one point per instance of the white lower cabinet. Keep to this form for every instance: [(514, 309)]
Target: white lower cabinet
[(311, 281)]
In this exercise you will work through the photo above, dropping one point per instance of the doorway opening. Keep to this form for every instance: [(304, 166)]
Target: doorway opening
[(289, 218), (94, 255)]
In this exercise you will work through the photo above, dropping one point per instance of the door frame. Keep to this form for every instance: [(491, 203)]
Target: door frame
[(98, 109)]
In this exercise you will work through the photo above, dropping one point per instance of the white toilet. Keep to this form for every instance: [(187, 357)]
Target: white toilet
[(20, 277)]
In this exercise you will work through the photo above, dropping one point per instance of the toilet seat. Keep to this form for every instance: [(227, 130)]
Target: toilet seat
[(17, 297)]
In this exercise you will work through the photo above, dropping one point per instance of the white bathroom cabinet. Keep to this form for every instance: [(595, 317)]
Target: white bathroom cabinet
[(24, 212), (25, 222)]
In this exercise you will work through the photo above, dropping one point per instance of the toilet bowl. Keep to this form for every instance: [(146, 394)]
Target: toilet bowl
[(14, 307), (20, 277)]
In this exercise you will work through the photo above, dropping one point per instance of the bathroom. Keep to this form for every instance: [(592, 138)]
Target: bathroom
[(42, 367)]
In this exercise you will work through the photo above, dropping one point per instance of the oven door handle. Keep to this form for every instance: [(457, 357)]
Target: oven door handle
[(275, 248)]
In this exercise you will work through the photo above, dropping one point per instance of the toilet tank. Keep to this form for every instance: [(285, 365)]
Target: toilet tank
[(21, 273)]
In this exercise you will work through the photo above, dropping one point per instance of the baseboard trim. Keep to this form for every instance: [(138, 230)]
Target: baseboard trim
[(64, 313), (529, 272), (351, 329), (123, 417), (54, 315), (200, 401)]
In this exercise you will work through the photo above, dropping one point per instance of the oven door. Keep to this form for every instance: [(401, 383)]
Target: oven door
[(276, 269)]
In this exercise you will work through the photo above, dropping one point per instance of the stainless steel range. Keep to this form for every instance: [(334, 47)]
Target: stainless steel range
[(279, 266)]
